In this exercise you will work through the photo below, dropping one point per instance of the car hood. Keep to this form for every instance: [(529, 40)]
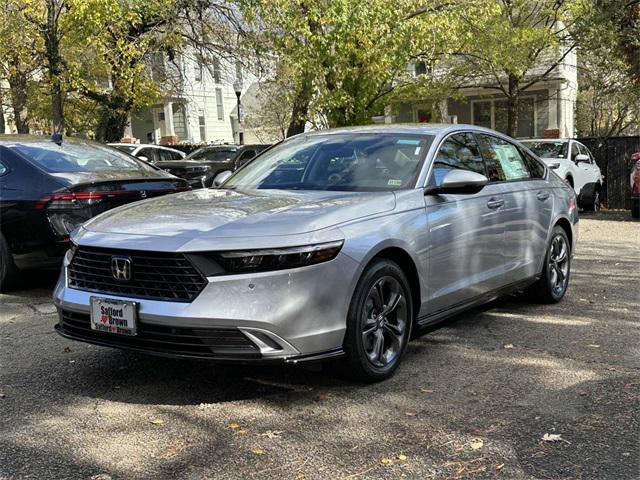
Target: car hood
[(229, 213)]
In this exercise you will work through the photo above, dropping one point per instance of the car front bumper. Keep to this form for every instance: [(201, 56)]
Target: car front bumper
[(287, 315)]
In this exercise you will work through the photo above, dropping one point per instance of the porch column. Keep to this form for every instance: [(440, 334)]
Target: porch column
[(169, 137)]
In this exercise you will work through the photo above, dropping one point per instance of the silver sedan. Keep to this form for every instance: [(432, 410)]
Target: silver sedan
[(339, 243)]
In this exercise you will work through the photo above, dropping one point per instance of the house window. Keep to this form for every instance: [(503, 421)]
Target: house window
[(203, 126), (482, 114), (494, 114), (420, 68), (197, 70), (219, 104), (216, 70)]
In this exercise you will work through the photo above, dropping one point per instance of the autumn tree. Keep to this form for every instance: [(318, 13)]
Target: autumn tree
[(510, 46)]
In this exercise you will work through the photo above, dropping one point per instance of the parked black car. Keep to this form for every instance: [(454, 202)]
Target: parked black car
[(48, 188), (200, 167)]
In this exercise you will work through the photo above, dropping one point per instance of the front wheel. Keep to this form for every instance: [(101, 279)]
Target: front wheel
[(552, 285), (379, 322), (8, 269)]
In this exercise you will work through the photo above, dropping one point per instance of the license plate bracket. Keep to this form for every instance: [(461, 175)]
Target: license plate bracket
[(119, 317)]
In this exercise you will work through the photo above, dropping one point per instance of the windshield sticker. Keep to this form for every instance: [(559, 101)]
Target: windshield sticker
[(394, 182), (405, 141), (417, 151)]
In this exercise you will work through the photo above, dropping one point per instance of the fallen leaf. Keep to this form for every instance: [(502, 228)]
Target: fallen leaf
[(424, 390), (66, 350), (271, 434), (593, 345), (552, 437), (72, 361), (476, 444), (2, 395), (612, 369), (258, 451), (386, 461), (508, 346), (323, 397), (157, 421), (234, 426), (500, 467), (402, 457), (410, 414)]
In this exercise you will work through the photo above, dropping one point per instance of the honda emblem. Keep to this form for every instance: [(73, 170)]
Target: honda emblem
[(121, 268)]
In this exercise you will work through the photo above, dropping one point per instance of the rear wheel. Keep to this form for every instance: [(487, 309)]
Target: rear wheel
[(594, 205), (8, 269), (379, 322), (553, 283), (635, 207)]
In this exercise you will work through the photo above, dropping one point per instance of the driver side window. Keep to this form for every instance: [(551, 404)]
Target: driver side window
[(459, 151), (574, 151)]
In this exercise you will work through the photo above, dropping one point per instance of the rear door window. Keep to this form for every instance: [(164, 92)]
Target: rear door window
[(459, 151), (504, 160)]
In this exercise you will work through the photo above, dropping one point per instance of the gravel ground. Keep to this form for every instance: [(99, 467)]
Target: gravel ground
[(473, 399)]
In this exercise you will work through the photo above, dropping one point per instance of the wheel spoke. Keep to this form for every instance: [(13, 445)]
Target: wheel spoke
[(378, 346), (393, 329), (393, 304)]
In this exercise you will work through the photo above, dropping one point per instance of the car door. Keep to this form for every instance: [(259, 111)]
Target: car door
[(528, 205), (148, 154), (590, 169), (466, 235), (580, 174), (244, 157)]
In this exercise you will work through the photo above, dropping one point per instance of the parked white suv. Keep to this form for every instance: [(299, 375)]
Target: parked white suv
[(573, 162), (149, 152)]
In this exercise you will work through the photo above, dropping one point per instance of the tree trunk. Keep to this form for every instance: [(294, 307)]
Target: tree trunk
[(18, 86), (54, 65), (112, 124), (513, 105), (300, 110)]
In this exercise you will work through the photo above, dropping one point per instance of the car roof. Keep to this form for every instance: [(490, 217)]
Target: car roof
[(138, 145), (436, 129)]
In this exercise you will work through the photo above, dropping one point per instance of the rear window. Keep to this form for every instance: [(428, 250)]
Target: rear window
[(74, 157), (549, 149), (126, 148), (213, 153)]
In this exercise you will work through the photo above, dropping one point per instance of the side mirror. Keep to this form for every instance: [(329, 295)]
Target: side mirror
[(459, 181), (554, 165), (581, 157), (143, 158), (221, 178)]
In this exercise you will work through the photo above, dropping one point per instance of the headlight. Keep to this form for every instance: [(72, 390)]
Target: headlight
[(246, 261)]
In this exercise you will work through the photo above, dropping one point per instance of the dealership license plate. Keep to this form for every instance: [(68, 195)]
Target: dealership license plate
[(113, 316)]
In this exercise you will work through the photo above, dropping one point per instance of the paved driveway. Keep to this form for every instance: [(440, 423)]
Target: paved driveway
[(473, 399)]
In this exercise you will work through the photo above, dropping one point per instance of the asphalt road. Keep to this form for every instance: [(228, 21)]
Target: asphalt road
[(473, 399)]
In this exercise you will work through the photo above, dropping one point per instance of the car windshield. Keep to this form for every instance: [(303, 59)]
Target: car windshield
[(78, 157), (213, 153), (554, 149), (125, 148), (350, 162)]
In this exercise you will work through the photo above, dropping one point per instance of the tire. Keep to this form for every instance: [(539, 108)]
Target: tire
[(550, 287), (375, 342), (8, 270), (594, 205), (635, 207)]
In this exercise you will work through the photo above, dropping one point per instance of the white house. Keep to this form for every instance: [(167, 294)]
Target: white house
[(202, 106), (547, 107)]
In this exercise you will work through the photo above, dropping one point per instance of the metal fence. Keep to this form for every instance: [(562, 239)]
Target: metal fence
[(614, 159)]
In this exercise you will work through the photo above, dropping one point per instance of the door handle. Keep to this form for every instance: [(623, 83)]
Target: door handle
[(542, 196), (493, 203)]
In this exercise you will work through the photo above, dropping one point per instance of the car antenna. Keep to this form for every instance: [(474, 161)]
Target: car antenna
[(57, 139)]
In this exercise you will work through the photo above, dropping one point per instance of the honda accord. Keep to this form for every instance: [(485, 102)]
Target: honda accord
[(340, 243)]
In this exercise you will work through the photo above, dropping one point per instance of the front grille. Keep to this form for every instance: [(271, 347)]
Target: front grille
[(154, 275), (160, 339)]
